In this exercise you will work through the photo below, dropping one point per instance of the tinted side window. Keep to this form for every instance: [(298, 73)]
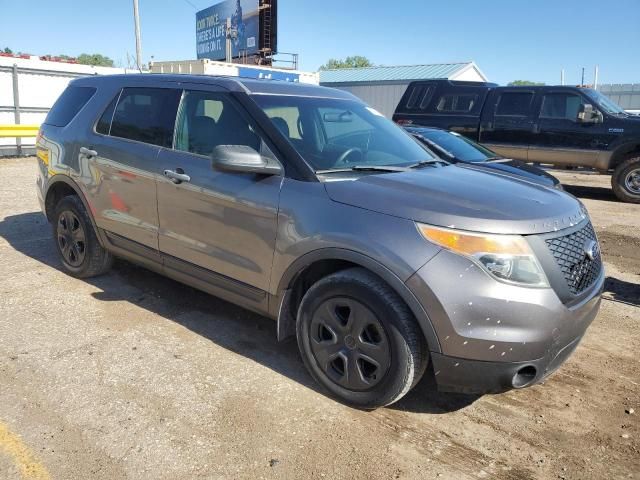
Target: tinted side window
[(459, 103), (68, 105), (419, 97), (146, 115), (104, 124), (287, 119), (561, 106), (207, 120), (514, 104)]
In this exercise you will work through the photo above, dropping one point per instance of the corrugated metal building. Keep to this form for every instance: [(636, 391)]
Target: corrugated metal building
[(383, 87), (626, 95)]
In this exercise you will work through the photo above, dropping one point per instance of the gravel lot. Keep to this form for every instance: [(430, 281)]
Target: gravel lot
[(132, 375)]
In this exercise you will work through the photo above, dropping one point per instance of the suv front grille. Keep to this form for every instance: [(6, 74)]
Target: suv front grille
[(580, 268)]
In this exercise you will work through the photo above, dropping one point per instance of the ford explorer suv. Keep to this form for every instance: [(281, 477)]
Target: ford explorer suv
[(304, 204), (562, 126)]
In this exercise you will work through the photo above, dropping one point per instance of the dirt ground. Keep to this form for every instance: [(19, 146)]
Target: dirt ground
[(132, 375)]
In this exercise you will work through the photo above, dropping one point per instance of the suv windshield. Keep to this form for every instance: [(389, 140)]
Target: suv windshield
[(336, 134), (604, 102), (458, 146)]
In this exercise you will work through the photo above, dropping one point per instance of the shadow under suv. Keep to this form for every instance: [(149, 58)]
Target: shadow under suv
[(304, 204)]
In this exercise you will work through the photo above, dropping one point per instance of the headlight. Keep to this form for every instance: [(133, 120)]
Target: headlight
[(507, 258)]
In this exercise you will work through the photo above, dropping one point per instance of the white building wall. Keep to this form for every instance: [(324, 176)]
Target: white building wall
[(205, 66), (40, 83), (470, 74)]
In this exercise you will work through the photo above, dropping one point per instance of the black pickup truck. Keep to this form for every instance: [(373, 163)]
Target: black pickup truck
[(551, 125)]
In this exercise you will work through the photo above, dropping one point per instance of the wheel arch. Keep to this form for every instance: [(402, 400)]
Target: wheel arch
[(309, 268), (623, 151), (60, 186)]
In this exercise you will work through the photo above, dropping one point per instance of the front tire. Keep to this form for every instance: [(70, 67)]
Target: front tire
[(626, 180), (81, 254), (359, 340)]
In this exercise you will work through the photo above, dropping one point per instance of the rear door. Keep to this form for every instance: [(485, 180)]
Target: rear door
[(121, 154), (218, 227), (559, 137), (507, 126)]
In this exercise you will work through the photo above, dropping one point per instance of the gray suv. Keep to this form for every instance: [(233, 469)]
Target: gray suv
[(306, 205)]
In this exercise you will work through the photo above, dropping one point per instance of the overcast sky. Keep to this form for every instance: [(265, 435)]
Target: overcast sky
[(508, 40)]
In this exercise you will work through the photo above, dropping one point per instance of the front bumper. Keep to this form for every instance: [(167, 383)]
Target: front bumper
[(493, 336), (471, 376)]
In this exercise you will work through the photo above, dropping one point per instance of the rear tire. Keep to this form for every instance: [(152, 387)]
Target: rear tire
[(626, 180), (81, 254), (359, 340)]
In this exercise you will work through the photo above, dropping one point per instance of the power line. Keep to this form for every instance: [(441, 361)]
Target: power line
[(194, 7)]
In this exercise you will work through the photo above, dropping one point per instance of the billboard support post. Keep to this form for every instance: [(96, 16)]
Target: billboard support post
[(229, 49)]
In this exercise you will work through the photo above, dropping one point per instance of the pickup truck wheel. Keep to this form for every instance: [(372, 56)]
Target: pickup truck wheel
[(80, 252), (626, 180), (359, 340)]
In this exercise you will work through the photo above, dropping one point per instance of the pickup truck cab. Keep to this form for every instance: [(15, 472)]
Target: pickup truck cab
[(556, 125)]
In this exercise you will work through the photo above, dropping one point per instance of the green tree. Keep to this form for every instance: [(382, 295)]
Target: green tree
[(526, 83), (356, 61), (94, 59), (7, 50)]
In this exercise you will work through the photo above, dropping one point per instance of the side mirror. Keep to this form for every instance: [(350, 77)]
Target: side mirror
[(243, 159), (587, 114)]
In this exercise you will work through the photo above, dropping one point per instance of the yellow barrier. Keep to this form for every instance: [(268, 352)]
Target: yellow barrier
[(19, 130)]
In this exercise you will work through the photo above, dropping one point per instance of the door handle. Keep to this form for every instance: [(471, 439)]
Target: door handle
[(88, 152), (177, 177)]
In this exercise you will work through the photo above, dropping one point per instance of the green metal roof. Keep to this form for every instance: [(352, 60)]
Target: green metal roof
[(392, 73)]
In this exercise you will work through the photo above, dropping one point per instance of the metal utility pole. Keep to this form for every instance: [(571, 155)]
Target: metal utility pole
[(562, 77), (136, 21), (582, 82), (16, 105), (595, 77)]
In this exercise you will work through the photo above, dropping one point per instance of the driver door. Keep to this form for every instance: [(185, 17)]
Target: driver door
[(559, 138)]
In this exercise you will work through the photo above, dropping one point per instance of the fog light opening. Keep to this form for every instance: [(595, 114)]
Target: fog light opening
[(524, 377)]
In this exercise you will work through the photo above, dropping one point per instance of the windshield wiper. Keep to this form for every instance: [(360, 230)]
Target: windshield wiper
[(425, 163), (497, 160), (364, 168)]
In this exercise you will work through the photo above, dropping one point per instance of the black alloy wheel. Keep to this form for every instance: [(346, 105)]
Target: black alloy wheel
[(349, 343), (359, 339), (76, 242), (71, 238)]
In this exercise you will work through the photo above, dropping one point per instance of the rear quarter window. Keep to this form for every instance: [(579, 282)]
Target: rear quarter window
[(457, 103), (68, 105), (419, 97), (146, 115)]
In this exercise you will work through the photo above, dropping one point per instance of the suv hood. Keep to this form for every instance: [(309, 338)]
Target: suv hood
[(463, 198)]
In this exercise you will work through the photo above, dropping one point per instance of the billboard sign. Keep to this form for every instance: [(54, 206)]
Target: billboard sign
[(211, 29)]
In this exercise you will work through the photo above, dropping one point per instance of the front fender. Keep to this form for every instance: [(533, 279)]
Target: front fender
[(285, 317)]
